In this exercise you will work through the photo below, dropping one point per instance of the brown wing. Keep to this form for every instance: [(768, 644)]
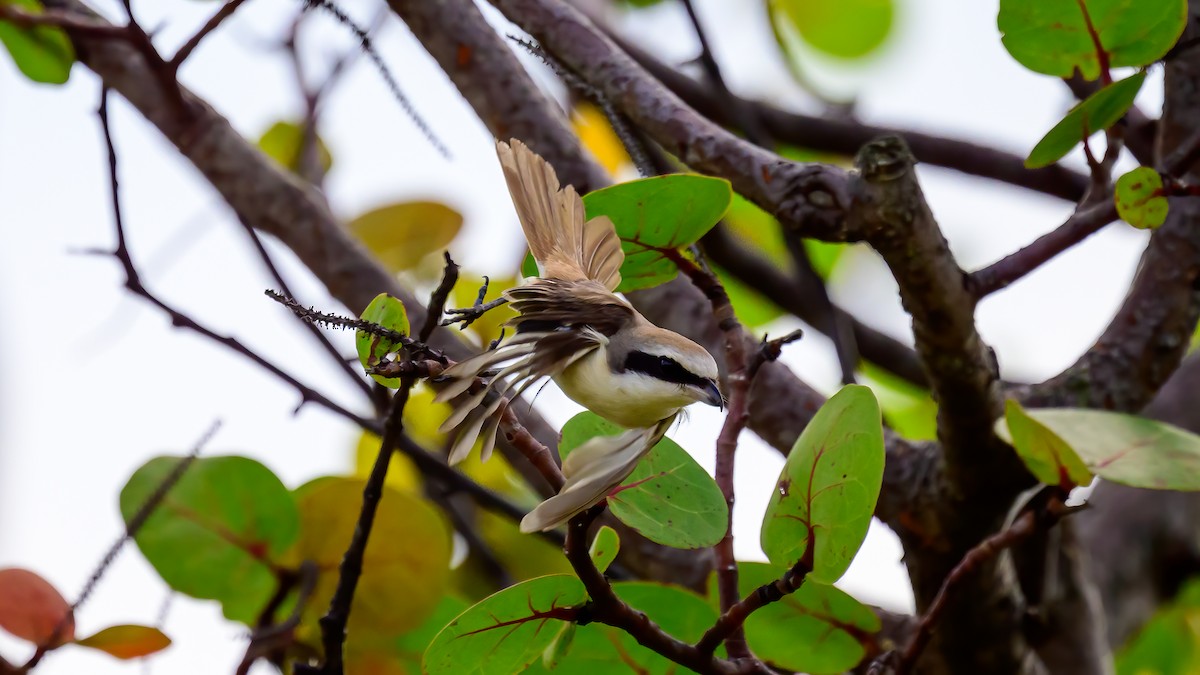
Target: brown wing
[(553, 220), (558, 322)]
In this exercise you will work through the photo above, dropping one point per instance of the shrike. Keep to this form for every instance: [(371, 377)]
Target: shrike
[(570, 327)]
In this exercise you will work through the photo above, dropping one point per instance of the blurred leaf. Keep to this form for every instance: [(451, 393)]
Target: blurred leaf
[(218, 532), (1169, 643), (410, 647), (1052, 36), (1124, 448), (597, 648), (561, 646), (283, 142), (847, 29), (529, 266), (658, 214), (388, 312), (597, 135), (669, 498), (1096, 113), (406, 564), (908, 409), (1047, 456), (42, 53), (825, 255), (604, 547), (827, 490), (507, 631), (31, 608), (1139, 198), (402, 473), (401, 235), (127, 641), (818, 629)]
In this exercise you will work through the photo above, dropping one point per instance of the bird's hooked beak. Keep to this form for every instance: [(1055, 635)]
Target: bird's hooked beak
[(712, 395)]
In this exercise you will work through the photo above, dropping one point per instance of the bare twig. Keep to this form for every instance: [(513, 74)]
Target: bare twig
[(437, 302), (733, 617), (270, 639), (209, 26)]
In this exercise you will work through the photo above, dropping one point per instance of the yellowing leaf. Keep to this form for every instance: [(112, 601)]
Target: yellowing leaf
[(31, 609), (597, 135), (405, 567), (127, 641), (401, 235), (402, 473), (1139, 198), (283, 143)]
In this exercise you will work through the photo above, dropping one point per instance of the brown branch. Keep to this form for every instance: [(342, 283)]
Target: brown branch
[(732, 618), (1081, 225), (845, 136)]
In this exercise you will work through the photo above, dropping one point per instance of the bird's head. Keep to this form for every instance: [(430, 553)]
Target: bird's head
[(668, 359)]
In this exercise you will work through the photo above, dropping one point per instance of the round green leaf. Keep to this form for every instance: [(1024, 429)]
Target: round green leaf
[(406, 565), (657, 215), (1047, 456), (847, 29), (283, 141), (127, 641), (402, 235), (826, 494), (604, 547), (505, 632), (1169, 643), (1052, 36), (818, 629), (669, 498), (1124, 448), (1096, 113), (388, 312), (596, 648), (1139, 198), (42, 53), (218, 532)]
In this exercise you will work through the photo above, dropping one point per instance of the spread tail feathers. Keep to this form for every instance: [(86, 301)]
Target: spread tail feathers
[(592, 471), (564, 245)]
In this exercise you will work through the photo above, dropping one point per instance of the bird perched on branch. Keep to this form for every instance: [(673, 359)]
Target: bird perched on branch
[(571, 327)]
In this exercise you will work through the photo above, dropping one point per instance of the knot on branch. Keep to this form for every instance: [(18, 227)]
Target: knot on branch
[(813, 199), (886, 158)]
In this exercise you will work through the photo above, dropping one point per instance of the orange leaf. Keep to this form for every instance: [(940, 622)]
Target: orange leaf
[(127, 641), (31, 609)]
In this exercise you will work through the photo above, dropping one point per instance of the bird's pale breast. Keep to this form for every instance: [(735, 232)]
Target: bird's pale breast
[(629, 399)]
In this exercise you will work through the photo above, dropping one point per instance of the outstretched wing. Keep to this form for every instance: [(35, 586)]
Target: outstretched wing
[(592, 471), (558, 323), (564, 245)]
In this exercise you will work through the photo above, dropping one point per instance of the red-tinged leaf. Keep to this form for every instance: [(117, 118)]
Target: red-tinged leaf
[(127, 641), (31, 609)]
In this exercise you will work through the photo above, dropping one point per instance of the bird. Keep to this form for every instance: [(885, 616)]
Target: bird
[(572, 328)]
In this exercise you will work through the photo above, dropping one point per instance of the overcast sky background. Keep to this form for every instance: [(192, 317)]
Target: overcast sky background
[(93, 382)]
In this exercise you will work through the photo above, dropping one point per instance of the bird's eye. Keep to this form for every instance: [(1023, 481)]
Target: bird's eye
[(665, 362)]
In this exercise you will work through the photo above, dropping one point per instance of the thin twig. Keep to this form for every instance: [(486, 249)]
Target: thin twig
[(271, 639), (393, 86), (732, 618), (437, 301), (209, 26), (1183, 157), (1014, 266)]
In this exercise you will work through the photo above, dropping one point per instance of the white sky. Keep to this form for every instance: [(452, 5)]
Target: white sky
[(93, 382)]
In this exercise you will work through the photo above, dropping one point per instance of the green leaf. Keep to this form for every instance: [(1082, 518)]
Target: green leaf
[(403, 235), (1096, 113), (1047, 456), (669, 498), (1139, 198), (410, 647), (283, 142), (406, 565), (218, 532), (43, 53), (1124, 448), (529, 266), (1052, 36), (1169, 643), (847, 29), (127, 641), (388, 312), (561, 646), (654, 216), (818, 629), (908, 409), (597, 648), (826, 494), (31, 608), (604, 547), (505, 632)]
